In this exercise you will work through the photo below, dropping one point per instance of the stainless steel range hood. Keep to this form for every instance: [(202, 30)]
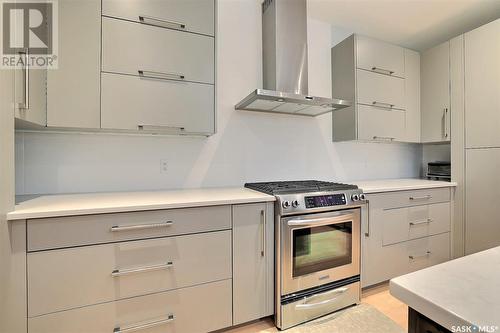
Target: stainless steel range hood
[(284, 48)]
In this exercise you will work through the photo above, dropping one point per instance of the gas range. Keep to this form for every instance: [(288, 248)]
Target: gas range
[(309, 196), (318, 248)]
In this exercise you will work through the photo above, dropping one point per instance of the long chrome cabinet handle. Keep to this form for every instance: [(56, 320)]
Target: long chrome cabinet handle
[(382, 70), (161, 75), (25, 105), (425, 197), (318, 221), (421, 222), (116, 228), (421, 256), (367, 233), (337, 292), (388, 138), (263, 223), (446, 131), (383, 104), (144, 326), (161, 22), (160, 128), (128, 271)]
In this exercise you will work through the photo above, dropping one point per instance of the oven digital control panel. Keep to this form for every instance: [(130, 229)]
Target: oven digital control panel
[(325, 200)]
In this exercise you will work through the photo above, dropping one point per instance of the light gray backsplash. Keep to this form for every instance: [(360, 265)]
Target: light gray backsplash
[(248, 146)]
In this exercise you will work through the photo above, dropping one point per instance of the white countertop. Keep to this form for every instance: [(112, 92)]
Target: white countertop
[(389, 185), (464, 291), (98, 203), (31, 207)]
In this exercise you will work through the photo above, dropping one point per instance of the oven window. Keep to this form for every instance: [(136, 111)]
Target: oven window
[(319, 248)]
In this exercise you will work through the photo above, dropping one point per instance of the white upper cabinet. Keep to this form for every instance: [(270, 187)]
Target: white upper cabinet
[(380, 90), (30, 96), (169, 53), (482, 86), (383, 82), (435, 87), (187, 15), (73, 89), (375, 55)]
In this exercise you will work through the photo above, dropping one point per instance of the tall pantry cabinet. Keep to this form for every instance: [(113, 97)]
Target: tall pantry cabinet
[(482, 137)]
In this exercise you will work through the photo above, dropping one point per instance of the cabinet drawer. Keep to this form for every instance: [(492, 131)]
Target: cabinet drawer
[(388, 262), (379, 56), (402, 224), (409, 198), (187, 15), (163, 52), (50, 233), (129, 102), (199, 309), (380, 124), (380, 90), (76, 278)]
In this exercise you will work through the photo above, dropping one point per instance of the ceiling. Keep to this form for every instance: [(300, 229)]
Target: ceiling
[(416, 24)]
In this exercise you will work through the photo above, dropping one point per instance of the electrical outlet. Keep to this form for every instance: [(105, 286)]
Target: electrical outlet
[(163, 166)]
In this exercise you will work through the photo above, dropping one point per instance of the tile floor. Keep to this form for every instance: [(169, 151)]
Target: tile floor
[(378, 296)]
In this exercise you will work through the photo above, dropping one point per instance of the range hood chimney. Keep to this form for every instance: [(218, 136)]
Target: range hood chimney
[(284, 48)]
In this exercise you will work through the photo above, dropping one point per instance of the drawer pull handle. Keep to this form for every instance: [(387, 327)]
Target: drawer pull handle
[(425, 197), (337, 292), (420, 222), (161, 75), (382, 104), (134, 328), (127, 271), (388, 138), (420, 256), (25, 105), (382, 70), (116, 228), (161, 22)]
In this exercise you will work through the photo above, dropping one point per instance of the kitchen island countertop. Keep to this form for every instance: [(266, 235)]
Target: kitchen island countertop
[(463, 292)]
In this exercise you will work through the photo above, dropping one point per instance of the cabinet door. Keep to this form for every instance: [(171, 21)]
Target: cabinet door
[(435, 85), (482, 190), (73, 89), (378, 56), (380, 90), (164, 52), (253, 262), (187, 15), (30, 95), (482, 82), (373, 124), (154, 104)]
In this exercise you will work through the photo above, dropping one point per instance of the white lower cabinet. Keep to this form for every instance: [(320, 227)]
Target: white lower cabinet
[(253, 262), (403, 232), (124, 270), (197, 309), (174, 271)]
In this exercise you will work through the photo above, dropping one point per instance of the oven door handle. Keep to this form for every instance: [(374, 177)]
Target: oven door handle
[(337, 292), (318, 221)]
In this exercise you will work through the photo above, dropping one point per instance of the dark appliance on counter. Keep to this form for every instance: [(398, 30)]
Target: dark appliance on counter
[(439, 170)]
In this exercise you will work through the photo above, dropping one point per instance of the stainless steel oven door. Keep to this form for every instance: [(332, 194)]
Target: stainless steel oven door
[(319, 248)]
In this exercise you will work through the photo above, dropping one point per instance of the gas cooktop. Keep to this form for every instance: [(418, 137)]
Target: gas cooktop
[(300, 186)]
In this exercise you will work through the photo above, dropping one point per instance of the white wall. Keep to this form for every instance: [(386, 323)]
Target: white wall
[(248, 146)]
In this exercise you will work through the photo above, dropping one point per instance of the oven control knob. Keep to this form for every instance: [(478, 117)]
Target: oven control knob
[(362, 197), (295, 203), (355, 197), (286, 204)]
